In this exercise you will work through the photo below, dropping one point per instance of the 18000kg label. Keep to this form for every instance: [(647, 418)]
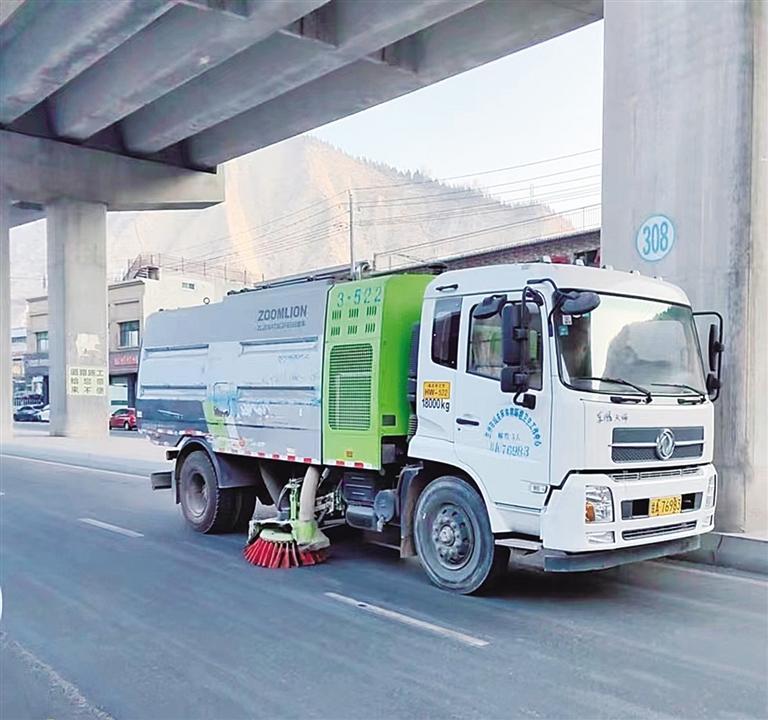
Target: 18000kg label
[(436, 395)]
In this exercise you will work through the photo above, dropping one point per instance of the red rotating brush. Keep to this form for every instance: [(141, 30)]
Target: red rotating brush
[(290, 543), (279, 549)]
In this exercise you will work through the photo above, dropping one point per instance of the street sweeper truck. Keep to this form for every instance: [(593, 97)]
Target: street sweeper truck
[(556, 412)]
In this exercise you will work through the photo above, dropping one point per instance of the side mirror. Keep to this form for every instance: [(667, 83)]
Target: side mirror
[(489, 307), (578, 302), (714, 347), (514, 339)]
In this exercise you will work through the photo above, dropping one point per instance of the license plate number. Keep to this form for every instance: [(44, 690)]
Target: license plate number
[(670, 505)]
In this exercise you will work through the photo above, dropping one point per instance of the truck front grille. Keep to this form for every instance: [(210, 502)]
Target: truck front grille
[(644, 454), (653, 531), (639, 444)]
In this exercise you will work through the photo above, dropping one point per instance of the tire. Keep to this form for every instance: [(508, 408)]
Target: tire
[(126, 425), (206, 507), (453, 538)]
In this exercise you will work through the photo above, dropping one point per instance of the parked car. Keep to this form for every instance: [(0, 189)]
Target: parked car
[(124, 418), (44, 414), (27, 413)]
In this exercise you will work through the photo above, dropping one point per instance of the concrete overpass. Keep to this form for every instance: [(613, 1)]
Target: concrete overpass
[(131, 104)]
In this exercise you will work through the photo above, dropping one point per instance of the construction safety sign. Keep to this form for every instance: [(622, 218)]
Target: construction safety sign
[(83, 380)]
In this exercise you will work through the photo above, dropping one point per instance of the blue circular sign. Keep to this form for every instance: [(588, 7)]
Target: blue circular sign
[(655, 238)]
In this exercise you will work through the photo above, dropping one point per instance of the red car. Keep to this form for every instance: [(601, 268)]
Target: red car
[(124, 418)]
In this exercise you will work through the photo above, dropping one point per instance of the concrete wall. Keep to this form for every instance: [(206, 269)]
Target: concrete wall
[(125, 304), (684, 116), (175, 290)]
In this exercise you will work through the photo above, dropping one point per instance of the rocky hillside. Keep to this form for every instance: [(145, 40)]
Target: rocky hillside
[(287, 211)]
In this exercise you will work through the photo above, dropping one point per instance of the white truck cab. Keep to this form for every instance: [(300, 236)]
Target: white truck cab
[(583, 416)]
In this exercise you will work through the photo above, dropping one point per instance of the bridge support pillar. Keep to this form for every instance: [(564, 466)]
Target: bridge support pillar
[(77, 312), (685, 136)]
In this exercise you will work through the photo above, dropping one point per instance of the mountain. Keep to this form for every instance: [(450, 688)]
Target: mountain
[(287, 211)]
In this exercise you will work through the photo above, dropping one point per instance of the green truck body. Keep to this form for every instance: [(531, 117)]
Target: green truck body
[(365, 369)]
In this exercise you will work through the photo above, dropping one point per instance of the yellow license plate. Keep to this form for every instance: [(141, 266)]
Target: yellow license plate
[(670, 505)]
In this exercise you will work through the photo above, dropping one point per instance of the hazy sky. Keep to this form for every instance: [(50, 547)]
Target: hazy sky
[(539, 103)]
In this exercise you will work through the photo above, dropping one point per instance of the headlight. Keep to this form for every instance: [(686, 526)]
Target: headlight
[(598, 504), (711, 489)]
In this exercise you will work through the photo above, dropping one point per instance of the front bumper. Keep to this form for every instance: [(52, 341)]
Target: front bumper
[(558, 561), (564, 528)]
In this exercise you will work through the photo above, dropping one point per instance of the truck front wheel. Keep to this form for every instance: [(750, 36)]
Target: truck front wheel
[(453, 537), (206, 507)]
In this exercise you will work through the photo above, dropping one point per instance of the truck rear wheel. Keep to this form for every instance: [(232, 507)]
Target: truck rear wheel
[(206, 507), (453, 537)]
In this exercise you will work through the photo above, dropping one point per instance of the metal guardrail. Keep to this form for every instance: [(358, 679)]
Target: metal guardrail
[(182, 265)]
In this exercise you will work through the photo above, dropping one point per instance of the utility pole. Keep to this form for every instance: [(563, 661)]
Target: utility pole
[(351, 237)]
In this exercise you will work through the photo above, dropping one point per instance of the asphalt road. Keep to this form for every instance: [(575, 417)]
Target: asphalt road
[(161, 623)]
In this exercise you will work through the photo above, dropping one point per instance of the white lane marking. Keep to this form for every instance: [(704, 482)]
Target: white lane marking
[(407, 620), (77, 467), (55, 681), (710, 574), (109, 526)]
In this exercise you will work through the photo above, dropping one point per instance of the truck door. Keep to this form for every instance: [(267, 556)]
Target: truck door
[(505, 444), (438, 362)]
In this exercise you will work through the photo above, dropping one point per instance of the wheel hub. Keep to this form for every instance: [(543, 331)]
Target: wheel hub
[(197, 494), (452, 536)]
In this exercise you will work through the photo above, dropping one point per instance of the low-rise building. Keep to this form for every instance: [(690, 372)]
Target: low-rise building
[(18, 373), (150, 287)]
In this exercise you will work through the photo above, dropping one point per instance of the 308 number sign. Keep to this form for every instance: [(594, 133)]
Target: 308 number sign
[(655, 238)]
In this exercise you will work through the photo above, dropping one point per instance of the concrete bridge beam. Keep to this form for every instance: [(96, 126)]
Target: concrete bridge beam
[(38, 170), (46, 44)]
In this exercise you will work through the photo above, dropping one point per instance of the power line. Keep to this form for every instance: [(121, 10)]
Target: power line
[(483, 231), (289, 242), (406, 201), (275, 220), (484, 208), (309, 235), (450, 194), (272, 235), (482, 172)]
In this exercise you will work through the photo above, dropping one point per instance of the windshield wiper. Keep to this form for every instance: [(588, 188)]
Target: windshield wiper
[(621, 381), (701, 396)]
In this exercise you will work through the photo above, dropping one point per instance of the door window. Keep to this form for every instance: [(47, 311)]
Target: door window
[(445, 332), (484, 353)]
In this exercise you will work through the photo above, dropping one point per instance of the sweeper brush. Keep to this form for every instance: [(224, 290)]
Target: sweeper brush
[(298, 541), (279, 549)]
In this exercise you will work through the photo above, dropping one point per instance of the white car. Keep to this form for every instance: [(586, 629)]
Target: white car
[(44, 414)]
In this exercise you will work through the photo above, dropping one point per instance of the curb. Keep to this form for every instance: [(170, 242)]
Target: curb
[(731, 550)]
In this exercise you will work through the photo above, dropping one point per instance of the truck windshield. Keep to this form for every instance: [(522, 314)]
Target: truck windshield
[(642, 342)]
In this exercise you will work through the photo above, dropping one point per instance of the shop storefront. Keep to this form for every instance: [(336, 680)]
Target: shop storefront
[(123, 370), (36, 374)]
